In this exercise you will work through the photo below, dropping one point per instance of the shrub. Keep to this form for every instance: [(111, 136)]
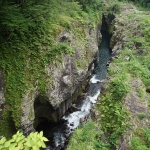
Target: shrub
[(20, 142)]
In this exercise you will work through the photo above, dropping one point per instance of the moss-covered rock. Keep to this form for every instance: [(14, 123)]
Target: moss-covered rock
[(49, 64), (64, 77)]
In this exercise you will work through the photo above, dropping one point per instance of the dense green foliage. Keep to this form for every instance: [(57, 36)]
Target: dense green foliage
[(19, 142), (28, 29), (91, 4), (144, 3), (112, 112), (88, 137), (21, 17)]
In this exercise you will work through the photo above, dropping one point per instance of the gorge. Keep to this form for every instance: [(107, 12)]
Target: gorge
[(54, 62), (60, 132)]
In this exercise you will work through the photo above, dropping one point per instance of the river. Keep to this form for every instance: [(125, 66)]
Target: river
[(59, 133)]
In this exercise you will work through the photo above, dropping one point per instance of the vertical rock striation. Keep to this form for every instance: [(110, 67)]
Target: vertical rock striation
[(65, 77)]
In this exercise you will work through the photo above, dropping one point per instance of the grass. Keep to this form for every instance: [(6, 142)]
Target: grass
[(113, 115), (88, 137)]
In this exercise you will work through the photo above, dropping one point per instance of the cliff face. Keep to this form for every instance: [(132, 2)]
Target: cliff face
[(129, 43), (65, 77), (46, 52)]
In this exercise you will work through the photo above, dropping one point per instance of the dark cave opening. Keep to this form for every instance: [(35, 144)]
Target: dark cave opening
[(107, 24), (44, 113)]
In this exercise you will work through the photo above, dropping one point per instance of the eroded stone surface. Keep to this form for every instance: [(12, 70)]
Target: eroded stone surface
[(65, 77), (123, 27)]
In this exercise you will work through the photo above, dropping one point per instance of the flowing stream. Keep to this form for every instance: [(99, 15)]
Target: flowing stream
[(59, 133)]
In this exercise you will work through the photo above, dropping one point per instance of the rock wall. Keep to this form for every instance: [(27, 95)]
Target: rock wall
[(65, 77), (123, 27)]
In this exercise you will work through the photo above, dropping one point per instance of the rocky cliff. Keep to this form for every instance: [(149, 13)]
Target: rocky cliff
[(65, 77), (128, 43)]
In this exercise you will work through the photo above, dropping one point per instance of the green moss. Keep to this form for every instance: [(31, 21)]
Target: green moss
[(24, 56), (142, 92), (81, 64), (142, 116), (24, 65), (137, 66), (7, 126)]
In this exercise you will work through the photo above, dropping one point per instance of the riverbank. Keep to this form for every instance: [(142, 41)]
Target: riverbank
[(122, 113)]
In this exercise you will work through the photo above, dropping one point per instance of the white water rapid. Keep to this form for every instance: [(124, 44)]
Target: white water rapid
[(62, 131)]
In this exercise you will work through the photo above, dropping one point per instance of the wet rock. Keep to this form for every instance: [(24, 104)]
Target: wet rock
[(66, 127), (67, 131), (62, 145), (72, 124), (71, 130), (67, 135), (74, 108), (82, 120), (108, 63), (58, 148)]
